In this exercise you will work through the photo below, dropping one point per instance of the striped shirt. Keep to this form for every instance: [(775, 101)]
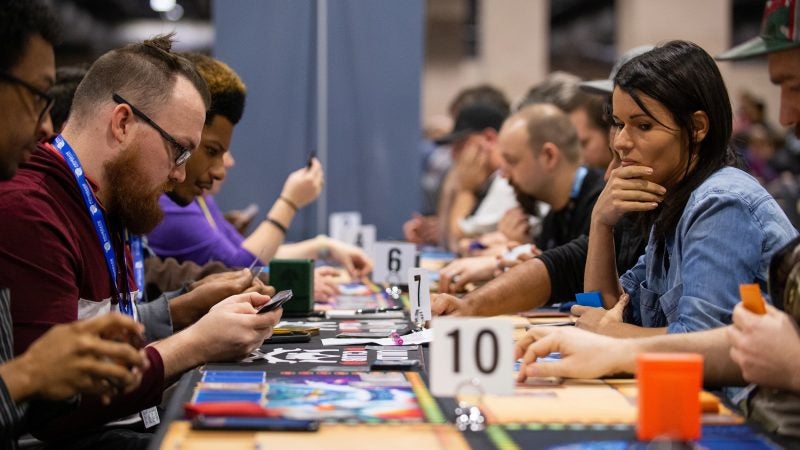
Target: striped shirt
[(10, 413)]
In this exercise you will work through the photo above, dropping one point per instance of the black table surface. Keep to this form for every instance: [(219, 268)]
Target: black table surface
[(285, 358)]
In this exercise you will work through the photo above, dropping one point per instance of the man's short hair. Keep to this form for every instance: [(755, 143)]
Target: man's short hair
[(227, 90), (144, 73), (559, 88), (548, 123), (19, 21)]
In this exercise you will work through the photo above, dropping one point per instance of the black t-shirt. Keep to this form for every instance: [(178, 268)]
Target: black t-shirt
[(566, 260), (566, 224)]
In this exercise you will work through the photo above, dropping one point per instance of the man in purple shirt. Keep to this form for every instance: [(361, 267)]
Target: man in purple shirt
[(194, 229)]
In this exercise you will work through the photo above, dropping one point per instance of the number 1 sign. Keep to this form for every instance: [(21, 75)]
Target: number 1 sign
[(467, 349)]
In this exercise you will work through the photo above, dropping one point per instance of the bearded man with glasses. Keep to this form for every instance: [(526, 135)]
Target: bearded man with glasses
[(70, 217)]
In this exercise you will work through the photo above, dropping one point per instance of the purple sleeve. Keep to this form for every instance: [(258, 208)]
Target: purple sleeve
[(186, 235)]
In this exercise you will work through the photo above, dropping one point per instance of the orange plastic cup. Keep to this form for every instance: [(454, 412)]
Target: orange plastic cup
[(669, 396)]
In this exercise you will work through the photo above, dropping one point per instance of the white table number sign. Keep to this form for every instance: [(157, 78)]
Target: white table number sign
[(467, 349), (344, 226), (419, 293), (393, 260)]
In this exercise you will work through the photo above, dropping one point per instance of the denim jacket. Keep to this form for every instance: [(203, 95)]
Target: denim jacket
[(726, 236)]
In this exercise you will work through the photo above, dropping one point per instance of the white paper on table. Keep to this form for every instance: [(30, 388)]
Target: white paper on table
[(415, 338), (354, 314)]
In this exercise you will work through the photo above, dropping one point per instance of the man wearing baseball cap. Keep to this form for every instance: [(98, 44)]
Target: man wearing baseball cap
[(780, 41), (780, 30), (478, 195)]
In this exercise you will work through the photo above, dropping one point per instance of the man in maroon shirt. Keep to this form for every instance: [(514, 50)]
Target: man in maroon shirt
[(67, 214)]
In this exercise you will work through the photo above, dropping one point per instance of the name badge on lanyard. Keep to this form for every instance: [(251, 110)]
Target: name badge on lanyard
[(125, 303)]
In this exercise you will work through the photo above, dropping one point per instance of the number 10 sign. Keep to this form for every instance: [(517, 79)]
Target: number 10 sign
[(466, 349)]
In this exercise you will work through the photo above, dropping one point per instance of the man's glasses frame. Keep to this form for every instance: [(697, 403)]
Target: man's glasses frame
[(37, 93), (183, 152)]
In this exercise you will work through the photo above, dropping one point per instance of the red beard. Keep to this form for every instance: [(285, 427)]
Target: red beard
[(136, 208)]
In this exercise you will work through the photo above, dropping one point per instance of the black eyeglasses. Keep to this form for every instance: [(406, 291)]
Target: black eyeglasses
[(40, 95), (182, 151)]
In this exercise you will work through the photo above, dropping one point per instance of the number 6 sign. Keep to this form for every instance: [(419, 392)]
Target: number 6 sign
[(393, 260), (467, 349)]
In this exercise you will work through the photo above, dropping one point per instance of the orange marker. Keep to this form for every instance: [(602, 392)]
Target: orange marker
[(751, 298), (669, 396)]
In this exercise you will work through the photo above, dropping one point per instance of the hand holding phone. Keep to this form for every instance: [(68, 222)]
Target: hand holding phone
[(276, 301)]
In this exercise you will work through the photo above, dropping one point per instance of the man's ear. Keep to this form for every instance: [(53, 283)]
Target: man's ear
[(700, 124), (490, 134), (549, 155), (121, 121)]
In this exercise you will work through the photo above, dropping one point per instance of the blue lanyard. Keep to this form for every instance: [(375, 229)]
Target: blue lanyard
[(98, 220), (566, 218), (580, 174), (138, 263)]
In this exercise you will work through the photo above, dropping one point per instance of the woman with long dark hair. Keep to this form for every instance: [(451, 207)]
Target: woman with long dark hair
[(711, 226)]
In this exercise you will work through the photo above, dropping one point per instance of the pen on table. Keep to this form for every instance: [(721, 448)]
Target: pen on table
[(378, 310)]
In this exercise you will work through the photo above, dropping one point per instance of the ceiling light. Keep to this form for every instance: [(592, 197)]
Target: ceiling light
[(162, 5)]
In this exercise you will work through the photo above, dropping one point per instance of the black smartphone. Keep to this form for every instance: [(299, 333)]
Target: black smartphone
[(289, 338), (276, 301), (311, 157), (253, 423), (409, 364)]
